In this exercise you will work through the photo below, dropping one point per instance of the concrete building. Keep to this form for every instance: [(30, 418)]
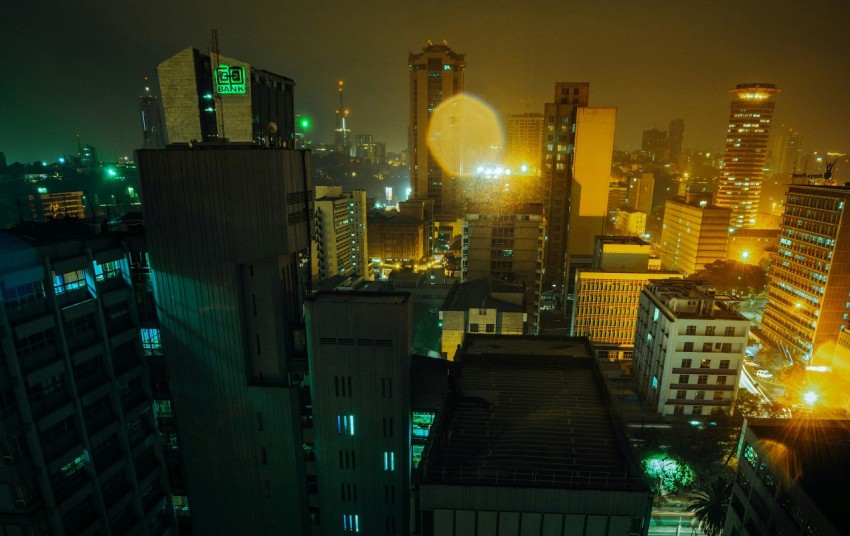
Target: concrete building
[(229, 233), (655, 145), (810, 273), (675, 136), (503, 459), (481, 306), (360, 368), (742, 173), (400, 236), (46, 206), (791, 479), (693, 235), (630, 222), (506, 243), (369, 150), (79, 443), (207, 98), (524, 142), (153, 124), (436, 74), (640, 192), (339, 244), (688, 349)]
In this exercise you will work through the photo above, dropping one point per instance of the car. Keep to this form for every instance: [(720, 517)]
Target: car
[(750, 362), (766, 374)]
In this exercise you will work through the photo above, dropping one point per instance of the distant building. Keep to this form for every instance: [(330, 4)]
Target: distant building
[(656, 145), (400, 236), (436, 74), (640, 195), (808, 286), (524, 142), (342, 132), (689, 349), (506, 243), (618, 196), (153, 123), (88, 157), (786, 151), (81, 453), (369, 150), (630, 222), (752, 246), (790, 478), (481, 306), (204, 101), (503, 459), (675, 136), (339, 242), (746, 151), (361, 385), (693, 235), (51, 206)]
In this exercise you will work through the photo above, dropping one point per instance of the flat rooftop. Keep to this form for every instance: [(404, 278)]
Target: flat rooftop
[(822, 449), (360, 297), (530, 412), (478, 295)]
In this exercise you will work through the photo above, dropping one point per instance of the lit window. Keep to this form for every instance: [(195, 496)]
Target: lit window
[(389, 461), (68, 281), (107, 270), (345, 424), (351, 522), (151, 343)]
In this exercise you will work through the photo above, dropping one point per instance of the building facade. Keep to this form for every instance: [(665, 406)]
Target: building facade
[(746, 151), (339, 244), (50, 206), (693, 235), (810, 273), (688, 349), (436, 74), (524, 142), (79, 443)]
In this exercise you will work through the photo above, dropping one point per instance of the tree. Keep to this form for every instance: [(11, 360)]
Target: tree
[(709, 504), (730, 276)]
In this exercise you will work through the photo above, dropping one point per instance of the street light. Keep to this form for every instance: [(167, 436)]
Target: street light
[(810, 397)]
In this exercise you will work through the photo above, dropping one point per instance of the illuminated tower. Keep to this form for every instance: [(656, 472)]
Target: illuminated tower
[(436, 74), (746, 150), (153, 125), (524, 142), (342, 133)]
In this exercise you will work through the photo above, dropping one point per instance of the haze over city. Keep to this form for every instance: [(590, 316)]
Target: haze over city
[(79, 70)]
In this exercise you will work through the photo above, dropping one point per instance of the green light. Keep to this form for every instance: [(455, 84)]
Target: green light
[(42, 190), (304, 123), (230, 80), (111, 172)]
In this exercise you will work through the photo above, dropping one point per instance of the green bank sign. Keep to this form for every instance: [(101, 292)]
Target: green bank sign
[(230, 80)]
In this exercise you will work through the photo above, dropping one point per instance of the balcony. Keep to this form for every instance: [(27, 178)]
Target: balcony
[(106, 455), (96, 423), (146, 464), (65, 487), (43, 405), (702, 387), (153, 500), (704, 371), (80, 520), (116, 490), (131, 401), (90, 382), (39, 359), (22, 312), (125, 523), (55, 447), (124, 364), (110, 284)]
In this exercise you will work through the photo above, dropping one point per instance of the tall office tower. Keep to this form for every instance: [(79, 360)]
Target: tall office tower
[(746, 151), (229, 301), (153, 125), (607, 295), (556, 173), (808, 284), (655, 144), (675, 136), (88, 157), (339, 237), (524, 142), (693, 235), (689, 348), (342, 132), (502, 459), (209, 98), (640, 195), (79, 444), (360, 368), (786, 151), (436, 74), (507, 244)]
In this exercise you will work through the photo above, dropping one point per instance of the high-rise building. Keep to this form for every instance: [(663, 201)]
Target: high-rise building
[(339, 237), (746, 151), (655, 145), (213, 97), (808, 285), (88, 157), (360, 368), (436, 74), (506, 243), (640, 195), (79, 444), (51, 206), (675, 136), (502, 459), (693, 235), (369, 150), (689, 348), (342, 132), (524, 142), (229, 234), (786, 151), (153, 124)]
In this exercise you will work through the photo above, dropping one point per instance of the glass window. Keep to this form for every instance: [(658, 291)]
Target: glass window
[(689, 347), (68, 281), (389, 461), (686, 363), (345, 424), (678, 410), (700, 395), (680, 394), (706, 346), (727, 347), (709, 330), (718, 395), (683, 378), (730, 331), (702, 379), (691, 330), (705, 363), (721, 380), (696, 410), (724, 363), (107, 270)]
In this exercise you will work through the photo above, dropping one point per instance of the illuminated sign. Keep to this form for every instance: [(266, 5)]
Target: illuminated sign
[(230, 80)]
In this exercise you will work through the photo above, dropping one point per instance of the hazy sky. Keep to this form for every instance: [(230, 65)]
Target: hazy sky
[(69, 67)]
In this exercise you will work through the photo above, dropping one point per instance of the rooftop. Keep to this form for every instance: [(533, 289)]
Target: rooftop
[(478, 294), (530, 412), (364, 297)]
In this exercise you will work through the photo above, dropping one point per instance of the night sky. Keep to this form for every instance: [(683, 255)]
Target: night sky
[(78, 67)]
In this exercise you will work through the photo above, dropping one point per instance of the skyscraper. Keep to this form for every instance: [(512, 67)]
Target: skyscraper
[(153, 124), (693, 235), (524, 142), (746, 150), (229, 234), (207, 98), (342, 132), (339, 237), (808, 282), (436, 74)]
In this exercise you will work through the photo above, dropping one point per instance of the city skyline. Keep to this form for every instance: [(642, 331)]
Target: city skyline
[(653, 64)]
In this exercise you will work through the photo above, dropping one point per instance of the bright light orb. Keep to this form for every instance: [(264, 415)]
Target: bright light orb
[(810, 398), (463, 130)]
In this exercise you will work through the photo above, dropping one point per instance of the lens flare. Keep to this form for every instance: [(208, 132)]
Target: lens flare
[(462, 132)]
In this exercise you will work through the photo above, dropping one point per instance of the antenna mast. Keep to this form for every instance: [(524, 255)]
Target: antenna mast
[(219, 105)]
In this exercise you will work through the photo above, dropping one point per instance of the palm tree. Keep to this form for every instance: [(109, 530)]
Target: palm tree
[(709, 505)]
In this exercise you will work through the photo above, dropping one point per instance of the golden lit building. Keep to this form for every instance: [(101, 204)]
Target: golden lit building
[(524, 142), (746, 151), (809, 280), (631, 222), (399, 236), (693, 235), (51, 206), (339, 233), (436, 74)]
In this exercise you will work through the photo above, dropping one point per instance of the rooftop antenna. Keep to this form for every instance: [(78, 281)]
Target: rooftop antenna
[(827, 175), (219, 105)]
